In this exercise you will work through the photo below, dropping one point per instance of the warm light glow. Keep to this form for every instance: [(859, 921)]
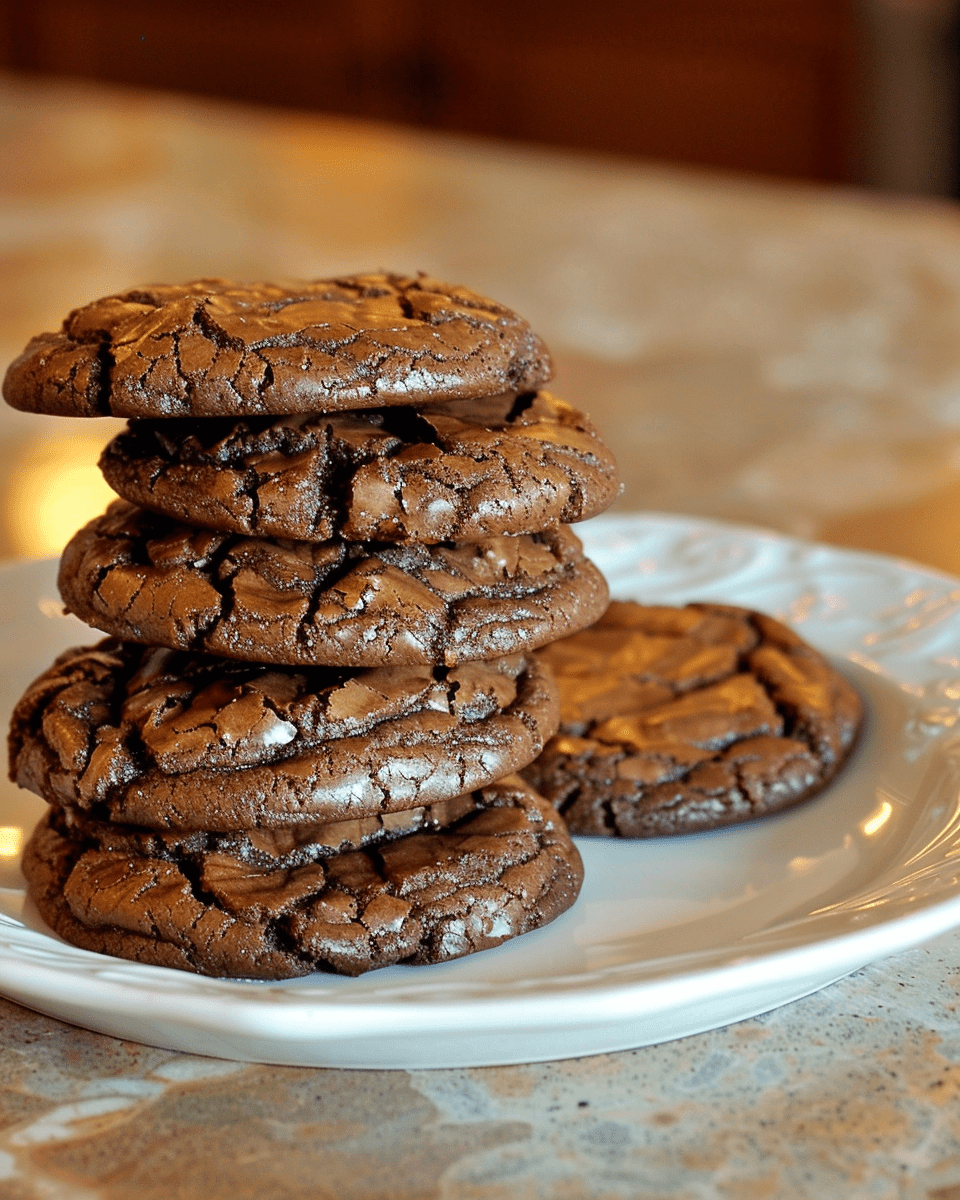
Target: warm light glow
[(11, 841), (51, 608), (878, 820), (55, 488)]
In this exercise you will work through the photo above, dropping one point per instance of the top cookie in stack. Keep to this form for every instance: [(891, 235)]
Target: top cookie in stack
[(358, 476), (212, 348)]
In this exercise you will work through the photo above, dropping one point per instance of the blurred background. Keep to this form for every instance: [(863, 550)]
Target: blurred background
[(733, 221), (835, 90)]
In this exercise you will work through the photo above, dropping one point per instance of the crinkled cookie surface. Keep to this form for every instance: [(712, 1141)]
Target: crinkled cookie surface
[(172, 741), (456, 471), (680, 719), (142, 577), (506, 867), (214, 348)]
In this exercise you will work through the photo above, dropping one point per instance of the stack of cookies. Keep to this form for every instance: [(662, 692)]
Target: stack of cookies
[(342, 534)]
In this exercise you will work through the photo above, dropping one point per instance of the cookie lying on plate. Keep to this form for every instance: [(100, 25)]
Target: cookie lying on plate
[(505, 868), (164, 740), (213, 348), (682, 719), (452, 471), (142, 577)]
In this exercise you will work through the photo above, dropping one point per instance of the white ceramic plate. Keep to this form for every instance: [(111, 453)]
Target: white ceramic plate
[(670, 937)]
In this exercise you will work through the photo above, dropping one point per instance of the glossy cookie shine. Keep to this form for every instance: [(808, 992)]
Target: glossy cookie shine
[(268, 847), (681, 719), (452, 471), (214, 348), (142, 577), (172, 741), (506, 867)]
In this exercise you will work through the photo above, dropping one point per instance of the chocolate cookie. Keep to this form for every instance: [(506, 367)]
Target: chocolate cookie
[(144, 578), (680, 719), (500, 871), (267, 849), (455, 471), (168, 740), (213, 348)]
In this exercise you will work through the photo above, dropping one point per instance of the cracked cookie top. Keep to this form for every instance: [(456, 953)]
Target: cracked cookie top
[(145, 578), (214, 348), (173, 741), (460, 470), (505, 867), (680, 719)]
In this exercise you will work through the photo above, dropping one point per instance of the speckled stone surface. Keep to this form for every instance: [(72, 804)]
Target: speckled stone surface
[(733, 341), (854, 1091)]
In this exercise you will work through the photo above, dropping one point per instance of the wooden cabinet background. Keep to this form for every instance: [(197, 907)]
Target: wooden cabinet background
[(763, 85)]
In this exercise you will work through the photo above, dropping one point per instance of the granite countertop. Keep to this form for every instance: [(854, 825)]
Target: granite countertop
[(784, 356)]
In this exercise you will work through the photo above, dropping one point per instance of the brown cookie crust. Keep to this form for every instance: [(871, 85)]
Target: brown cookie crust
[(214, 348), (681, 719), (266, 848), (505, 868), (455, 471), (141, 577), (171, 741)]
